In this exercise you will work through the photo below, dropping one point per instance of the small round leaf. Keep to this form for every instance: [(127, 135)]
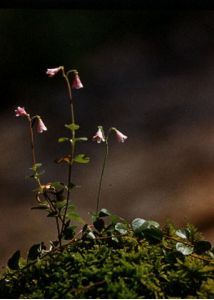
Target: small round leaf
[(184, 249)]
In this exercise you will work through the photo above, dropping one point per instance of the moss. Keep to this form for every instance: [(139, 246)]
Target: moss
[(129, 266)]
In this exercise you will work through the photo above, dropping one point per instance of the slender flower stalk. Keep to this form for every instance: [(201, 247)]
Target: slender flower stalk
[(100, 137), (74, 84), (65, 75), (21, 112), (32, 140), (101, 176)]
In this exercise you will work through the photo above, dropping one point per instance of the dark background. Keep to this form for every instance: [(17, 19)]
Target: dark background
[(147, 72)]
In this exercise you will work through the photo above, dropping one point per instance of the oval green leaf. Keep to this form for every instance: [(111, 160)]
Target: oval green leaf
[(153, 234), (82, 159), (137, 225), (63, 139), (121, 228), (182, 233), (104, 213), (13, 262), (72, 126), (33, 252), (184, 249)]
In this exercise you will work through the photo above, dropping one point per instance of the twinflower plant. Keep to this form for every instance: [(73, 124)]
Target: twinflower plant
[(55, 197), (110, 257)]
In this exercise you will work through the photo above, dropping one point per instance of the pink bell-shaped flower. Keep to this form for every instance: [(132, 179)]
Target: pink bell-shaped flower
[(20, 112), (99, 136), (53, 72), (76, 83), (120, 136), (40, 125)]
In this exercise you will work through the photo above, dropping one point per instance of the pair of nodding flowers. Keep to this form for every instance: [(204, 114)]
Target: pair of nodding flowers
[(76, 82), (21, 112), (99, 136)]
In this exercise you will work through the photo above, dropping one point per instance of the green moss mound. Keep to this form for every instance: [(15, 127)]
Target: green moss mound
[(117, 260)]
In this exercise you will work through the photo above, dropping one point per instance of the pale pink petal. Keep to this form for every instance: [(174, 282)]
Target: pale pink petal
[(120, 136), (76, 83), (20, 112), (40, 125), (53, 72), (99, 137)]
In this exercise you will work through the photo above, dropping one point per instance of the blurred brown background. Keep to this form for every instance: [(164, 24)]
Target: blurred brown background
[(148, 73)]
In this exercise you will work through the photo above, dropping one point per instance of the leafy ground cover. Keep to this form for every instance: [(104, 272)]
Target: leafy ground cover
[(112, 258)]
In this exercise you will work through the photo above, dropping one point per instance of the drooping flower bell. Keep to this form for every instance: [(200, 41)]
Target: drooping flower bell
[(76, 83), (20, 112), (120, 136), (40, 125), (99, 136), (53, 72)]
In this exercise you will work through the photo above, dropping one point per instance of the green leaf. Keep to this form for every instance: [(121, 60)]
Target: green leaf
[(72, 126), (153, 234), (72, 215), (69, 233), (83, 139), (172, 256), (121, 228), (58, 186), (202, 246), (63, 139), (150, 224), (104, 213), (184, 249), (52, 214), (60, 204), (137, 225), (99, 224), (182, 233), (115, 239), (36, 166), (33, 252), (13, 262), (82, 159)]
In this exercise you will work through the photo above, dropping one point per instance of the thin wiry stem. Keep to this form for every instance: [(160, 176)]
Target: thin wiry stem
[(103, 169), (101, 177), (72, 145), (33, 147), (32, 141)]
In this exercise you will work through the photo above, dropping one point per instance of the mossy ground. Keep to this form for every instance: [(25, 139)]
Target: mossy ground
[(126, 266)]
